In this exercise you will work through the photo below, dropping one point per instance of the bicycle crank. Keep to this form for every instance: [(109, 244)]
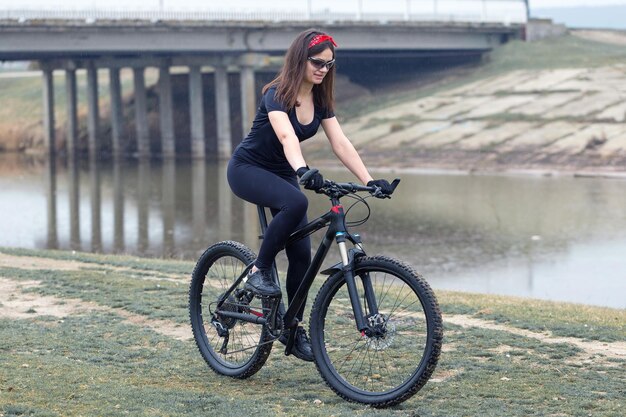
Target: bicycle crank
[(274, 323)]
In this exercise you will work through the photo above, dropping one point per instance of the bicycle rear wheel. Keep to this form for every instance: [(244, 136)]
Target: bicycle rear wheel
[(398, 356), (243, 351)]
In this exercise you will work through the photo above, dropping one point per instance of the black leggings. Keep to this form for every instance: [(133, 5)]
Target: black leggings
[(288, 206)]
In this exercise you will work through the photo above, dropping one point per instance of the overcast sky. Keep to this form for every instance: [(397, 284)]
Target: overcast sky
[(204, 4)]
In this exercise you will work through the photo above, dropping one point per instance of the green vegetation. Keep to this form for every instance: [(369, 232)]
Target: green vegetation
[(98, 360)]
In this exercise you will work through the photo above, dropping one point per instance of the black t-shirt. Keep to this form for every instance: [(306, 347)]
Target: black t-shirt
[(262, 148)]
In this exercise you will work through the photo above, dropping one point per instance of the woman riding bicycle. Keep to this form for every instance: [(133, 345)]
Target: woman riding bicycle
[(265, 166)]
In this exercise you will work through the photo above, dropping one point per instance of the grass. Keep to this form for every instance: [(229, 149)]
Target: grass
[(99, 363)]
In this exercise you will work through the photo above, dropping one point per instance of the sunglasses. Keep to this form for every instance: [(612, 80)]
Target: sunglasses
[(320, 63)]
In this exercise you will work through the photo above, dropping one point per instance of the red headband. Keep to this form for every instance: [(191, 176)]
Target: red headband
[(317, 39)]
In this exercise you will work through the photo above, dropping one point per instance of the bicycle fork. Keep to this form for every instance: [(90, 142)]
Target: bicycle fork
[(347, 261)]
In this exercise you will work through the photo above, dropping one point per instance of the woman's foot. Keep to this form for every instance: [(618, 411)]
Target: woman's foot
[(302, 346), (261, 283)]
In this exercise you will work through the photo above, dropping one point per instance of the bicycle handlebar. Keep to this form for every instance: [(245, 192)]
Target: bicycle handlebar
[(330, 187)]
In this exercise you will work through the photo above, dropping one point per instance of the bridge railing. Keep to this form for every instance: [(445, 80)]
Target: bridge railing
[(472, 11)]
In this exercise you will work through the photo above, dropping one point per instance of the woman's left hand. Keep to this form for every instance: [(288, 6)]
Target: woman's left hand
[(313, 182)]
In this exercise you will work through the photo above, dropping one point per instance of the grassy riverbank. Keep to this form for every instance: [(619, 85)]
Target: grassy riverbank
[(84, 334)]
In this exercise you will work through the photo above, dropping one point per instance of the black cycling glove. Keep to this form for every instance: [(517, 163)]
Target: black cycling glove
[(384, 188), (314, 181)]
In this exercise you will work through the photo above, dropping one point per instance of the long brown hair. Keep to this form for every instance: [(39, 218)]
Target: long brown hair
[(290, 77)]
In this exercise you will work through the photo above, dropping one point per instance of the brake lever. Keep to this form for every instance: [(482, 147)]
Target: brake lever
[(378, 193)]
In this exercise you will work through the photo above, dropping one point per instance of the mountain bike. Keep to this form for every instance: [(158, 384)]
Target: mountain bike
[(375, 325)]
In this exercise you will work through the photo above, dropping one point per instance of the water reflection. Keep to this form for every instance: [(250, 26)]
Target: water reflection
[(74, 199), (118, 208), (198, 204), (52, 241), (527, 236), (168, 206), (96, 207), (225, 212), (143, 194)]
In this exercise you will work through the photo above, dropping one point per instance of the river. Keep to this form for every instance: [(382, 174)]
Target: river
[(549, 237)]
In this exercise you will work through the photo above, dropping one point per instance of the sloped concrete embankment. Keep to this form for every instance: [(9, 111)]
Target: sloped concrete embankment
[(566, 118)]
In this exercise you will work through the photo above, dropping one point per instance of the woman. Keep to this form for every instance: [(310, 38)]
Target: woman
[(265, 166)]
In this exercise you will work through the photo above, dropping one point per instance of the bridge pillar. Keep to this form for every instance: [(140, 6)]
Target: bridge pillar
[(248, 98), (196, 111), (48, 110), (92, 106), (72, 121), (117, 124), (222, 112), (248, 63), (166, 114), (141, 113)]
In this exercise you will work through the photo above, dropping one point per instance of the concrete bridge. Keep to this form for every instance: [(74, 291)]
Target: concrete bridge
[(218, 46)]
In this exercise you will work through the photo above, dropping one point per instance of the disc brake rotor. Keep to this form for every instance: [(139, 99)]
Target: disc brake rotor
[(383, 332)]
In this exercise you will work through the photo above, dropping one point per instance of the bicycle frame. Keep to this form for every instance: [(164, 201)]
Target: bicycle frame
[(335, 220)]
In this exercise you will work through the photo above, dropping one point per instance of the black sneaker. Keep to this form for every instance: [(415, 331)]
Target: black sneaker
[(261, 283), (302, 346)]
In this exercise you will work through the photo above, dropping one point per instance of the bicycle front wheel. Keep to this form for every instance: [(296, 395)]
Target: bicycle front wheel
[(230, 347), (396, 357)]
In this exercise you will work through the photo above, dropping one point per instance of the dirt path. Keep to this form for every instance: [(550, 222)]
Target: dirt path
[(613, 350), (34, 263), (605, 36), (17, 304)]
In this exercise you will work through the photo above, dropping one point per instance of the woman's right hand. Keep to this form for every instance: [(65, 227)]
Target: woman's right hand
[(313, 180), (383, 188)]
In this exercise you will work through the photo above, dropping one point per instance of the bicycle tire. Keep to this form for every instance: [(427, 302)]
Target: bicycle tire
[(412, 337), (216, 270)]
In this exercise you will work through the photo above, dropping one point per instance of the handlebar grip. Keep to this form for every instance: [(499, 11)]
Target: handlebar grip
[(305, 178)]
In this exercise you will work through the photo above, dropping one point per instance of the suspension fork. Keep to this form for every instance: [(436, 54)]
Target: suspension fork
[(370, 297), (347, 261)]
